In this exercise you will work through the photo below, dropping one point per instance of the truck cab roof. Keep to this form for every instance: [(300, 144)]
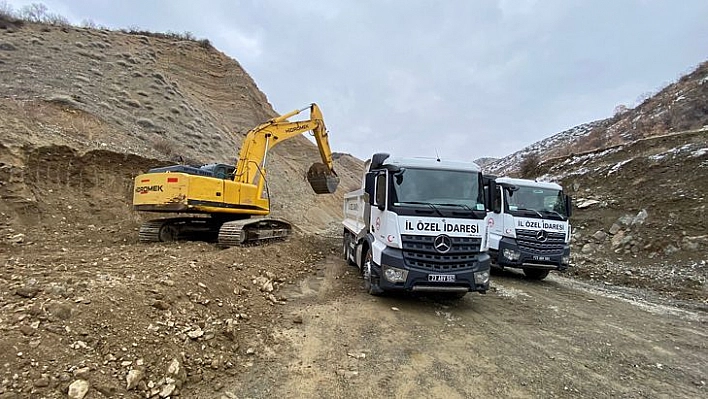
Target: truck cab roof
[(527, 183), (432, 163)]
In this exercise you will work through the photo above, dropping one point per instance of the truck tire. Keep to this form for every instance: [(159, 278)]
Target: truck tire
[(371, 285), (346, 244), (536, 274)]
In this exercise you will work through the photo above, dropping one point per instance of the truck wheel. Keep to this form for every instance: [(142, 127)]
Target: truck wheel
[(370, 284), (346, 243), (536, 274)]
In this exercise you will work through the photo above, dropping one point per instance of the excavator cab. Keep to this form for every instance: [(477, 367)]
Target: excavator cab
[(322, 179)]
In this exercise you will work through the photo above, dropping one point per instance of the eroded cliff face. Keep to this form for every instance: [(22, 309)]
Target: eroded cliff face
[(84, 110)]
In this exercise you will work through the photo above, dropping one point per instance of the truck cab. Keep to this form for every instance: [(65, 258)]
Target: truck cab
[(529, 227), (418, 225)]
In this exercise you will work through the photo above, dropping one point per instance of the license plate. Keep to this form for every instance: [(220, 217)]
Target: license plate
[(441, 278), (536, 257)]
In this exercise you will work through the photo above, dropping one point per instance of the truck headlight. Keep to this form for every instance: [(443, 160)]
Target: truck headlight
[(511, 254), (481, 278), (394, 275)]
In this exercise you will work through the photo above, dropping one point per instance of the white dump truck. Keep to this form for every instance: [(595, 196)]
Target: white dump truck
[(419, 225), (528, 226)]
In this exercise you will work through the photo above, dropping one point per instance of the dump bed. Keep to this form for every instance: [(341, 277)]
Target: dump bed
[(354, 207)]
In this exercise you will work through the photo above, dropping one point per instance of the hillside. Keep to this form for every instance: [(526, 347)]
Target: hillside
[(680, 106), (85, 306), (640, 217), (82, 111), (638, 180)]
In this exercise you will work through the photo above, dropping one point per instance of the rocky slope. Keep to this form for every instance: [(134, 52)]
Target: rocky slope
[(639, 183), (88, 109), (640, 217), (680, 106), (87, 310)]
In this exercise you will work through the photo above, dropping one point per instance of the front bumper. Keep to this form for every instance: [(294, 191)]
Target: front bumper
[(417, 280), (553, 260)]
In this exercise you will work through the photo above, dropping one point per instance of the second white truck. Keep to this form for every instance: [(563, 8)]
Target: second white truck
[(419, 225), (529, 227)]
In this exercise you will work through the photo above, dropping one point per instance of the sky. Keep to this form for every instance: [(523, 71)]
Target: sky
[(460, 79)]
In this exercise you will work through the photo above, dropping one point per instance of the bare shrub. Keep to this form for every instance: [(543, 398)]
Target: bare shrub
[(6, 9), (8, 17), (530, 165), (620, 109), (34, 12), (205, 43), (88, 23), (39, 13)]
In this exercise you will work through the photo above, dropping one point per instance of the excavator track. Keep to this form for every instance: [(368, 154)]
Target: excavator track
[(173, 229), (250, 231)]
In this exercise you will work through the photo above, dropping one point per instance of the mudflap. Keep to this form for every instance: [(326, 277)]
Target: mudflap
[(321, 179)]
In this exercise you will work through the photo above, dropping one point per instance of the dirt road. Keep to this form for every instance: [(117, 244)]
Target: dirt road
[(556, 338)]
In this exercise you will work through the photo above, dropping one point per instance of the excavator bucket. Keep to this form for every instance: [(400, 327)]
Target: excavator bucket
[(322, 180)]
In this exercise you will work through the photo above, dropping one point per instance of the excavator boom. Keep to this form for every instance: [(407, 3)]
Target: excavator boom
[(252, 157)]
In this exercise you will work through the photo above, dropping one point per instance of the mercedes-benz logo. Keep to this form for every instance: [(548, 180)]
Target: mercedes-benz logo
[(542, 235), (442, 243)]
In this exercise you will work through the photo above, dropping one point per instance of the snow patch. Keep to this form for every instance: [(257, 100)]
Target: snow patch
[(699, 152), (658, 157), (617, 166)]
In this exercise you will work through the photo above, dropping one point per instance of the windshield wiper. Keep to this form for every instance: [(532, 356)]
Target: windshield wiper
[(530, 210), (467, 207), (435, 208), (554, 213)]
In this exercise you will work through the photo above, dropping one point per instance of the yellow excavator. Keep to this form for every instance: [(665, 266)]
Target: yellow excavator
[(222, 198)]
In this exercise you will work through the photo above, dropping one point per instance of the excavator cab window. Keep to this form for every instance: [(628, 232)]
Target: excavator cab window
[(222, 171)]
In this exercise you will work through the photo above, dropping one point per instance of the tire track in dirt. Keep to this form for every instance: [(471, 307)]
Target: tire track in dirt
[(523, 339)]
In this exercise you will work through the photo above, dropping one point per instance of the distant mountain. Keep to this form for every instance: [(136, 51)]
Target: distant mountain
[(680, 106), (482, 162)]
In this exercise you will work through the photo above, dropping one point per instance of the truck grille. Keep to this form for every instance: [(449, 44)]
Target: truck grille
[(419, 252), (528, 243)]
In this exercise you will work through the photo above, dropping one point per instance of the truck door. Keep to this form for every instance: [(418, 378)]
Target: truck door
[(496, 219), (378, 205)]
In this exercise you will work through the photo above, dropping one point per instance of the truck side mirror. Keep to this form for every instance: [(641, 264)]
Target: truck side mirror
[(369, 184), (568, 205), (381, 191), (377, 160), (491, 192)]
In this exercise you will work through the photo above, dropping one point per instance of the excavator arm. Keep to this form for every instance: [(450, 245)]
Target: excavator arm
[(251, 164)]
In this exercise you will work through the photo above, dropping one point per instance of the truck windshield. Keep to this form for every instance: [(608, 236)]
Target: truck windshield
[(536, 202), (438, 187)]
